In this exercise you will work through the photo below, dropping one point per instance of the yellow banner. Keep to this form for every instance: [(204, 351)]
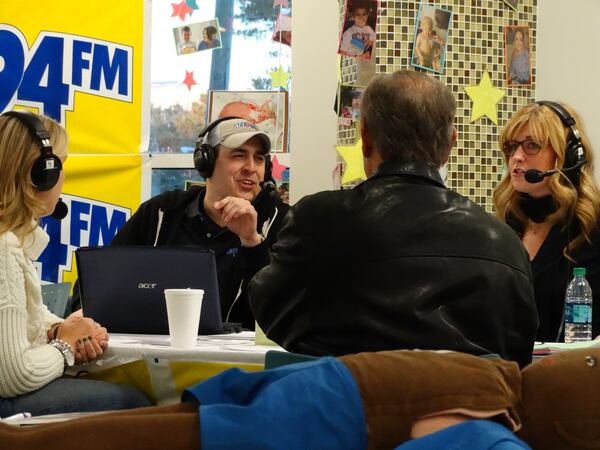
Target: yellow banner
[(81, 63), (101, 192)]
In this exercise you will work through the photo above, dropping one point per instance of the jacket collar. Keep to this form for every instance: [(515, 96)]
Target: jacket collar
[(419, 169)]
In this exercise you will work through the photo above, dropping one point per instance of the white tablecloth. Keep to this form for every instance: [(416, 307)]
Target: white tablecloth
[(227, 348), (162, 372)]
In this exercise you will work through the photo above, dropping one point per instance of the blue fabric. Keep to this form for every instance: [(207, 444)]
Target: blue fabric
[(74, 395), (311, 405), (472, 434)]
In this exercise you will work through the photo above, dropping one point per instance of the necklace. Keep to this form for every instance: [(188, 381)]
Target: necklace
[(537, 229)]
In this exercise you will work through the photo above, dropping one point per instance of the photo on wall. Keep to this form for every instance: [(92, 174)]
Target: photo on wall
[(517, 56), (359, 31), (196, 37), (431, 37), (283, 30), (349, 104), (268, 110)]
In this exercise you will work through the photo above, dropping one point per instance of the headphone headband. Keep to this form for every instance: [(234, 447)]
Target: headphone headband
[(574, 151), (34, 125), (566, 118)]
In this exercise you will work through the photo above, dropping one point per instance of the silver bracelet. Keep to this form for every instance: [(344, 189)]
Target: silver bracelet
[(66, 351)]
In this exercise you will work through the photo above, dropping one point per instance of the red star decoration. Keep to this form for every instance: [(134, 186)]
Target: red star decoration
[(189, 79), (181, 9), (277, 168)]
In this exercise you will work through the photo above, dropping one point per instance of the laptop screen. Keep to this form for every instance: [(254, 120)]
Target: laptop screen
[(122, 287)]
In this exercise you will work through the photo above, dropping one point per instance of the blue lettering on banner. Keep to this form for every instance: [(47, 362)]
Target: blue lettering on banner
[(89, 222), (58, 65)]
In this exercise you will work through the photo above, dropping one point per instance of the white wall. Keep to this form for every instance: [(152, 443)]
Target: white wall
[(568, 60), (315, 32)]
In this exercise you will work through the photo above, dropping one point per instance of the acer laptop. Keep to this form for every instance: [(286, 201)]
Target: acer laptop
[(122, 287)]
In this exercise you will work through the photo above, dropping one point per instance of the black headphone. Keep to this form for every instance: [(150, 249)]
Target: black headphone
[(46, 169), (574, 152), (205, 155)]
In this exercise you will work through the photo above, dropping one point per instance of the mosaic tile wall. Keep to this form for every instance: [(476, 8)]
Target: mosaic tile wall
[(475, 42)]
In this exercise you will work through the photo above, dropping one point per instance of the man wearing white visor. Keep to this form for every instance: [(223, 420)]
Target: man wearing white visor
[(237, 214)]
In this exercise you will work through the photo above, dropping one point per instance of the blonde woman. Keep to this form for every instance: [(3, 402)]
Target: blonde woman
[(549, 197), (36, 346)]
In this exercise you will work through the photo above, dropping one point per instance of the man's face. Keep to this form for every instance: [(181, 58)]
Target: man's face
[(186, 35), (238, 171)]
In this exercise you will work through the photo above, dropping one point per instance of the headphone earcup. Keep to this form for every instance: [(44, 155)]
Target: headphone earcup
[(204, 160), (572, 158), (45, 172), (571, 152)]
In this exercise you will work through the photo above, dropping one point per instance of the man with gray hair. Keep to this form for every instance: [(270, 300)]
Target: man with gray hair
[(400, 261)]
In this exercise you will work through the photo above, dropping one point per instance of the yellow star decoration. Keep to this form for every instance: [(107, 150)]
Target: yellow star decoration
[(353, 159), (279, 78), (485, 97)]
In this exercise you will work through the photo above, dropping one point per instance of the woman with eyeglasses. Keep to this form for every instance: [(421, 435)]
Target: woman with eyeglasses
[(549, 197)]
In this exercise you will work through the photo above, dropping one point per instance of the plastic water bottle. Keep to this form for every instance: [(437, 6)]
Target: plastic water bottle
[(578, 308)]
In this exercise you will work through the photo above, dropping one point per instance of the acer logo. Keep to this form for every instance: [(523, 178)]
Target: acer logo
[(147, 285)]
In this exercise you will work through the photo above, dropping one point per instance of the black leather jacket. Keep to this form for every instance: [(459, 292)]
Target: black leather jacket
[(399, 262)]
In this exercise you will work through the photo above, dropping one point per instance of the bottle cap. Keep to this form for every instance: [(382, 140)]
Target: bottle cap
[(579, 271)]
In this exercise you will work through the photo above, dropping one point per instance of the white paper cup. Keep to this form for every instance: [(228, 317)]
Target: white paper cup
[(183, 313)]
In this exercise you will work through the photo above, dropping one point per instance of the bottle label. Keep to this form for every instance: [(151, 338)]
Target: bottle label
[(578, 313)]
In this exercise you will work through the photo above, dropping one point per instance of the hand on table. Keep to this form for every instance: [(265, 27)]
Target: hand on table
[(87, 338), (87, 349)]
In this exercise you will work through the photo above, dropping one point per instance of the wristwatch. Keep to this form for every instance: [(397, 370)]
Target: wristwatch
[(65, 350)]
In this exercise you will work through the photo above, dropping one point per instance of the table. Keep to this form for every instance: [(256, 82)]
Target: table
[(162, 372), (541, 349)]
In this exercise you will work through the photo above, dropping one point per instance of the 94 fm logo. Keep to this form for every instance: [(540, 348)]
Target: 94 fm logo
[(89, 222), (57, 65)]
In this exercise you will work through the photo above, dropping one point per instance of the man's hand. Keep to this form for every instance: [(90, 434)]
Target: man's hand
[(240, 217)]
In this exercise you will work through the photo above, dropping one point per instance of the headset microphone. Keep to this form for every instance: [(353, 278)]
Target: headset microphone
[(537, 176), (60, 210)]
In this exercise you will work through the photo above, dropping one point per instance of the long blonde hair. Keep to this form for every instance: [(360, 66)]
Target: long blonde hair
[(19, 205), (581, 202)]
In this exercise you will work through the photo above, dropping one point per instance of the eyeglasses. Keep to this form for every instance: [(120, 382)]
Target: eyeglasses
[(529, 147)]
